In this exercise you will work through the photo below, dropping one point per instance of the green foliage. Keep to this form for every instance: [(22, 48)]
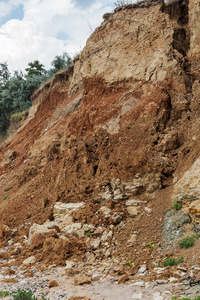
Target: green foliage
[(196, 298), (4, 294), (129, 262), (60, 62), (4, 73), (171, 262), (22, 294), (6, 189), (16, 90), (150, 245), (35, 68), (188, 241), (88, 233), (177, 206), (5, 197)]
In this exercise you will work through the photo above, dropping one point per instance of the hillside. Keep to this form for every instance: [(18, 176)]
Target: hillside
[(109, 145)]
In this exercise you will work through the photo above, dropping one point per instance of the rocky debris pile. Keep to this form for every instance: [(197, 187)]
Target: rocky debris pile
[(98, 281)]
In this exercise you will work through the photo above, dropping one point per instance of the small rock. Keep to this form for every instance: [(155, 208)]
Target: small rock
[(132, 239), (95, 243), (132, 211), (81, 279), (69, 264), (148, 210), (137, 296), (159, 270), (172, 279), (79, 298), (10, 242), (134, 202), (182, 269), (30, 260), (123, 278), (106, 211), (142, 269), (139, 283), (161, 281), (53, 283), (95, 277), (116, 218), (157, 296)]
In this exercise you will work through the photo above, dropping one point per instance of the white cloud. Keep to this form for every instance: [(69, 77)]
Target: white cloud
[(48, 28), (5, 9)]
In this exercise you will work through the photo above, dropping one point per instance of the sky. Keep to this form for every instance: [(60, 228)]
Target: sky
[(41, 29)]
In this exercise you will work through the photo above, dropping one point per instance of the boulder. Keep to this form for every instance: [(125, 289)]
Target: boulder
[(53, 283), (62, 211), (187, 189), (81, 279), (174, 223)]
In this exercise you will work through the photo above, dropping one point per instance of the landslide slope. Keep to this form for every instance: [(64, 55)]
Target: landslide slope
[(121, 124)]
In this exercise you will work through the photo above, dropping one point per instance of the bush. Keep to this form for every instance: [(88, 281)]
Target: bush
[(177, 206), (171, 262), (4, 294), (188, 241), (24, 295)]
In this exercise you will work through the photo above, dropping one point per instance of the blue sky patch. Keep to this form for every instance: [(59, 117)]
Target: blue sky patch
[(62, 36), (84, 4), (16, 13)]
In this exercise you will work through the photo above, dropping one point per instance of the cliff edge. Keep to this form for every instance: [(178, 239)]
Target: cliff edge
[(110, 144)]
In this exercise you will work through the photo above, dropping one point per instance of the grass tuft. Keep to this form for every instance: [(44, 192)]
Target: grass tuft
[(188, 241), (171, 262)]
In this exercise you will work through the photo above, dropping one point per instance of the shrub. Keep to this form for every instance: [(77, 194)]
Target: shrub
[(6, 189), (171, 262), (188, 241), (4, 294), (24, 295), (177, 206), (5, 197)]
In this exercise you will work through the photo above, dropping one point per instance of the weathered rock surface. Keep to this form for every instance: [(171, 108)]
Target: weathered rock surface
[(174, 224)]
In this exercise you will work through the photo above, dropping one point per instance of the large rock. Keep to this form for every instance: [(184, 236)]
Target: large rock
[(174, 223), (62, 211), (187, 189), (44, 229)]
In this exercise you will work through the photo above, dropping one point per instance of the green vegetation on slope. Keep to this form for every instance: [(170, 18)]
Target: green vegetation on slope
[(16, 90)]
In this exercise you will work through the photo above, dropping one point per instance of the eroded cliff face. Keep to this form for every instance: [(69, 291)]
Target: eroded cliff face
[(119, 125)]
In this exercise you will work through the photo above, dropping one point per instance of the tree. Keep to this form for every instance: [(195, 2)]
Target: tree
[(35, 68), (4, 73), (61, 62)]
